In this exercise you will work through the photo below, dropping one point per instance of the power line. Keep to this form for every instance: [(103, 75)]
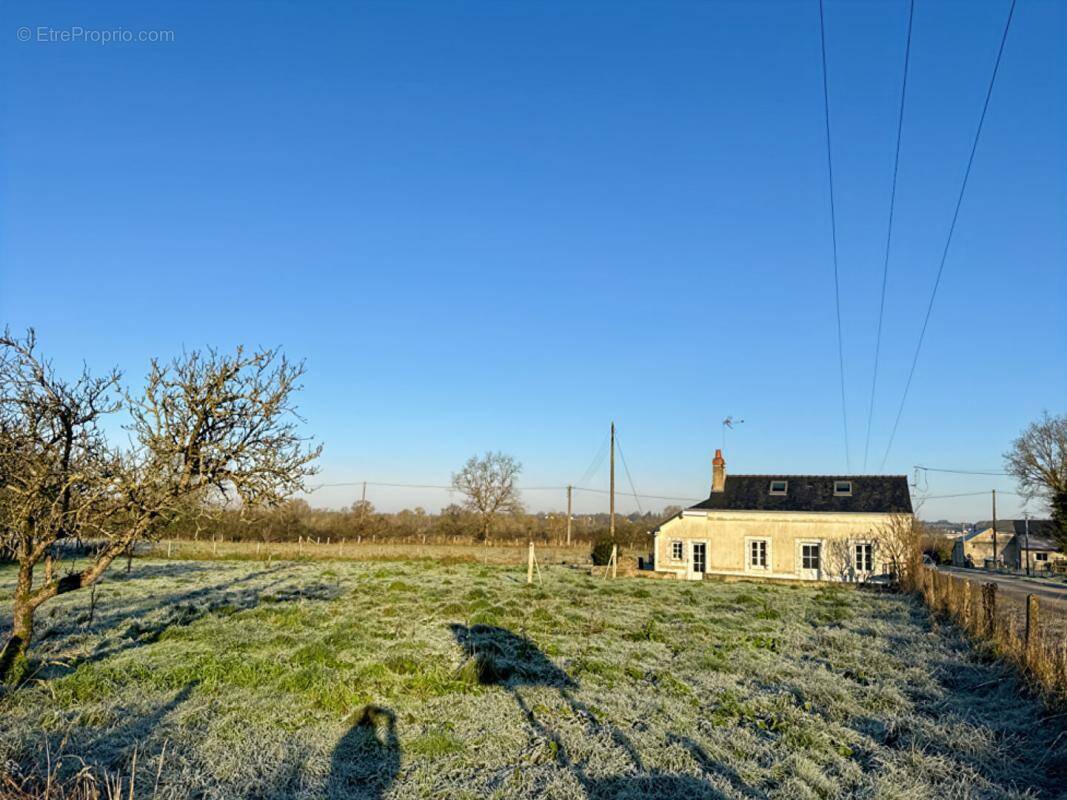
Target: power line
[(889, 234), (951, 230), (833, 235), (380, 483), (966, 494), (626, 468), (598, 459), (628, 494), (427, 486), (964, 471)]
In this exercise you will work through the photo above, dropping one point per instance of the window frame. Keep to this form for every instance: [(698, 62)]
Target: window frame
[(846, 493), (817, 556), (676, 546), (750, 543), (778, 492), (856, 545)]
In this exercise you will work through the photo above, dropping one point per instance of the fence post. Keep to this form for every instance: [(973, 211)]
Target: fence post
[(965, 605), (614, 560), (1031, 627), (530, 564), (989, 604)]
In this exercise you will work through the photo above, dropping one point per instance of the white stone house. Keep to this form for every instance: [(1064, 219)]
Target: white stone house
[(800, 527)]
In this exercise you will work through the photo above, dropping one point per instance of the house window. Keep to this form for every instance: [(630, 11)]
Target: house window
[(1041, 556), (863, 557), (842, 488), (779, 487), (809, 556), (757, 553), (677, 550)]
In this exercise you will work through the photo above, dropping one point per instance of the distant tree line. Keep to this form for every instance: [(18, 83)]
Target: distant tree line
[(296, 519)]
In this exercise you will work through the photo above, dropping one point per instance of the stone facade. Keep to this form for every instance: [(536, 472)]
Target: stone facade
[(785, 545)]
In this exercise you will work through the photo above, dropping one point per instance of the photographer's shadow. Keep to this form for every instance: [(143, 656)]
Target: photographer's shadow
[(366, 760)]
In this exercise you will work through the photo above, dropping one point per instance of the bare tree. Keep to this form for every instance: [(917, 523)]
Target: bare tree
[(489, 486), (209, 431), (899, 548), (838, 559), (1038, 461)]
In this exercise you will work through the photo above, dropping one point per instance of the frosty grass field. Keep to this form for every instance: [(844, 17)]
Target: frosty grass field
[(416, 679)]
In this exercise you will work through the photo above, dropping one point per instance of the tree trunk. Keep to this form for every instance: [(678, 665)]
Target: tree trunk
[(13, 656), (27, 599)]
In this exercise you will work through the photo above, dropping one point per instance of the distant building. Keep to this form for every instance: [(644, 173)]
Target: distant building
[(1014, 547), (801, 527)]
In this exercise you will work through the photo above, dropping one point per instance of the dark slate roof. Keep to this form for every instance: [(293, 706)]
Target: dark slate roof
[(1039, 543), (1039, 528), (1042, 532), (886, 494)]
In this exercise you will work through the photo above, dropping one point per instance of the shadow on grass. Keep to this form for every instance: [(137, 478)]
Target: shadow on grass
[(503, 658), (366, 760), (59, 763), (179, 610)]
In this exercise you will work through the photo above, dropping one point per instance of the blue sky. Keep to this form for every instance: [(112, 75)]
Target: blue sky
[(499, 225)]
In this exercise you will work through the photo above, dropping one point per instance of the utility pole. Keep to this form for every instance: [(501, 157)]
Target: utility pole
[(1026, 549), (569, 490), (612, 501), (994, 529)]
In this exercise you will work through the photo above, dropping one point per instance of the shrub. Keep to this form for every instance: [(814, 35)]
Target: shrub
[(938, 548), (602, 552)]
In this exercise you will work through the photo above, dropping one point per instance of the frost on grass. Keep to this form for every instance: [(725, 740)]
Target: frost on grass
[(234, 679)]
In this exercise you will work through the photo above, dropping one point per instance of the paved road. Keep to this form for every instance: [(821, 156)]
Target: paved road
[(1018, 585)]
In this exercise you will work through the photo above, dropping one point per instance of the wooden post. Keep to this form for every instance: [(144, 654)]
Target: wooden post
[(614, 561), (530, 564), (1026, 544), (994, 529), (168, 548), (1031, 626), (569, 494), (214, 546), (965, 604), (257, 549), (611, 502), (989, 607)]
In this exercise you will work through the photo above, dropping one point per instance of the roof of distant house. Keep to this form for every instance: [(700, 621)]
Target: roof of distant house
[(880, 494), (1042, 532)]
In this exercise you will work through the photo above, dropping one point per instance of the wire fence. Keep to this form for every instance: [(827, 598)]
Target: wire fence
[(1023, 629)]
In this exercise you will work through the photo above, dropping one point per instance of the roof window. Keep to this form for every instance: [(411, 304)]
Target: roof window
[(842, 488), (779, 487)]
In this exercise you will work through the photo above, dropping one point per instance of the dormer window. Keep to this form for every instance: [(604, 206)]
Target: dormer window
[(780, 487), (842, 488)]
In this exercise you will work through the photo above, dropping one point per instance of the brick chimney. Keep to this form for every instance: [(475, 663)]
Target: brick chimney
[(718, 472)]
